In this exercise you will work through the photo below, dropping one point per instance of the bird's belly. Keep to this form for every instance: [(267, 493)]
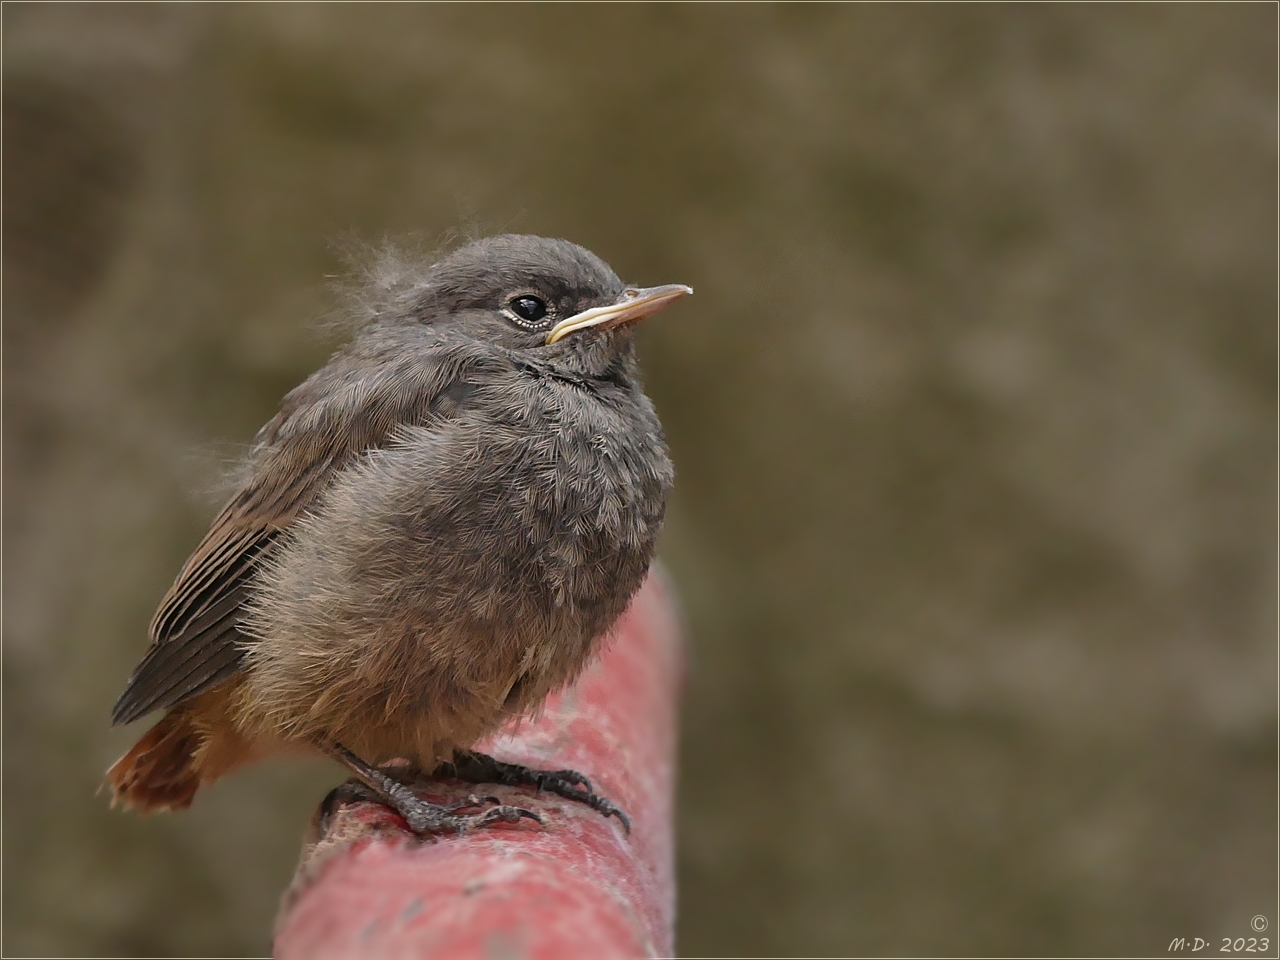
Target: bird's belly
[(405, 625)]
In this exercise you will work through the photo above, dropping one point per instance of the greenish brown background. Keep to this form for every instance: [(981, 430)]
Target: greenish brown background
[(974, 414)]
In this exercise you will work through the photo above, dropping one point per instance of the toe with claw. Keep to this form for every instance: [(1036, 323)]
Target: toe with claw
[(475, 767)]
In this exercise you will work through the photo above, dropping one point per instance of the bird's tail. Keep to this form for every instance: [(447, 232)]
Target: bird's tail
[(162, 770), (196, 742)]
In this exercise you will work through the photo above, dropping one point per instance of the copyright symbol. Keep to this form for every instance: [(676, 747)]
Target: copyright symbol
[(1259, 923)]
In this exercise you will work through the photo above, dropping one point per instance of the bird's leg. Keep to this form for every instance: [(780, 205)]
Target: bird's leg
[(422, 815), (475, 767)]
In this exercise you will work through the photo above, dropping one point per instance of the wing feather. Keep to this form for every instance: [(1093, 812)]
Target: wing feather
[(341, 412)]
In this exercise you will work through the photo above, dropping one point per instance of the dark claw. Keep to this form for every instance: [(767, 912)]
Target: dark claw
[(426, 818), (563, 776), (471, 801), (422, 816), (481, 768), (349, 791)]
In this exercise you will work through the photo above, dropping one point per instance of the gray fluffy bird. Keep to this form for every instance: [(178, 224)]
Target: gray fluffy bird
[(435, 531)]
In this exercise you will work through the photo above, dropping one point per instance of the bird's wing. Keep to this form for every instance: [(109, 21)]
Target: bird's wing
[(323, 425)]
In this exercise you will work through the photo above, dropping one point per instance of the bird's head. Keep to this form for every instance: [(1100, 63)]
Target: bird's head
[(549, 298)]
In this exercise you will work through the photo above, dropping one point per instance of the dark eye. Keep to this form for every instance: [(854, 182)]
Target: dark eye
[(528, 309)]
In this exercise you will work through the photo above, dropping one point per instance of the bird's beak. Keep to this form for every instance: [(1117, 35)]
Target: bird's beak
[(632, 304)]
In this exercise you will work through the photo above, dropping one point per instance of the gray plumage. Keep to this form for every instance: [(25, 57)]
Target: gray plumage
[(438, 527)]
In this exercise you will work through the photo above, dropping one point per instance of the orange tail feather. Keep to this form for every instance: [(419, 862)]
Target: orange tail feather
[(161, 771)]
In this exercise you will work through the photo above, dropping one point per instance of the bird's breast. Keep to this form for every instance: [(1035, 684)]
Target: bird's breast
[(460, 573)]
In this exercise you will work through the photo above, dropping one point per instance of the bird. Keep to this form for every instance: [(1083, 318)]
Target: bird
[(437, 529)]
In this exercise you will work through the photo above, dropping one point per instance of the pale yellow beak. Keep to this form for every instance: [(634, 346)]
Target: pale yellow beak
[(633, 304)]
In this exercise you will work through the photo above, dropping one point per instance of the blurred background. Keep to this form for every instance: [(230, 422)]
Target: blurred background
[(974, 415)]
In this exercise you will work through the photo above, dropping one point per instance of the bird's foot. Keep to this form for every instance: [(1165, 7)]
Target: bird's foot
[(474, 767), (422, 816)]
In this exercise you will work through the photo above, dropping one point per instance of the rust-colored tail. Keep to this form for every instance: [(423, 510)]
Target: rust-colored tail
[(161, 772), (197, 742)]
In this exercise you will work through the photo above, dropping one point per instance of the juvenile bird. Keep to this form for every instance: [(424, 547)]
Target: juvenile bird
[(435, 531)]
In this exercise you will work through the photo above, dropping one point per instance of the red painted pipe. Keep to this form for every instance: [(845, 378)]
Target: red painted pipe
[(576, 887)]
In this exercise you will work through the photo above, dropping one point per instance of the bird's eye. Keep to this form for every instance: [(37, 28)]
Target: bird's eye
[(528, 309)]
